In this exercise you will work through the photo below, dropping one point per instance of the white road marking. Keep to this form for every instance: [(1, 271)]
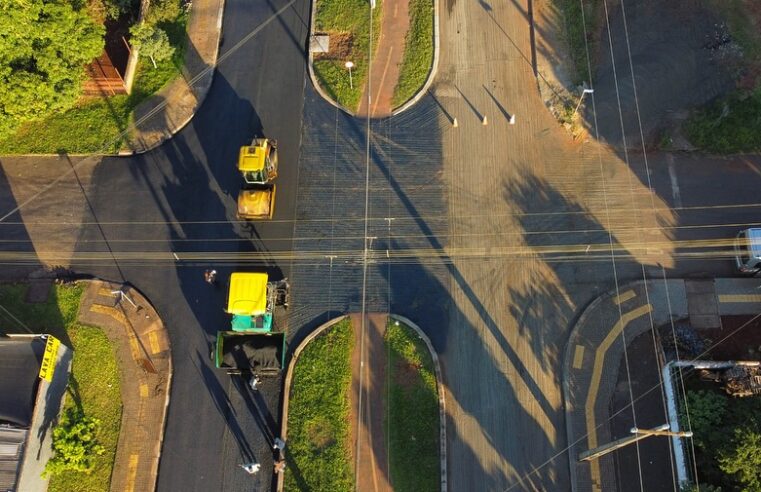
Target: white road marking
[(674, 184)]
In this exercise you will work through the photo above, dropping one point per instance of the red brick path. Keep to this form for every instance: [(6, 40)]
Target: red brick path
[(384, 73)]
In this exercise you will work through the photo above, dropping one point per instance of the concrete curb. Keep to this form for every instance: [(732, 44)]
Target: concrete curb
[(442, 399), (133, 318), (289, 377), (162, 431), (588, 311), (417, 97)]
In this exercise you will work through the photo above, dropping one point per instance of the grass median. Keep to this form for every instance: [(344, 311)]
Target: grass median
[(347, 22), (94, 381), (96, 125), (418, 52), (412, 413), (319, 456)]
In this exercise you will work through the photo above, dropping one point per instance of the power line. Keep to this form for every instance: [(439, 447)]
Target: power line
[(103, 150), (697, 358)]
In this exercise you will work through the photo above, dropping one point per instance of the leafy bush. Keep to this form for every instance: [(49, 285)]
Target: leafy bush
[(74, 444), (743, 458), (707, 410), (728, 125), (727, 438)]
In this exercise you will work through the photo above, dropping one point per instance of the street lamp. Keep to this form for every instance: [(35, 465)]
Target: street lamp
[(349, 65), (583, 93)]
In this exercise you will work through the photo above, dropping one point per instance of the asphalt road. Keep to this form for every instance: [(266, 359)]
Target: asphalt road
[(441, 204), (180, 198)]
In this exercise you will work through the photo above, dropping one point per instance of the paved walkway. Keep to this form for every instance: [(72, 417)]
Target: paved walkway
[(162, 115), (145, 365), (596, 346), (384, 73), (369, 383)]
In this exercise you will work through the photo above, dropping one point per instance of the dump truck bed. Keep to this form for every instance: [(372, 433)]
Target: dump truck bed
[(260, 353), (256, 203)]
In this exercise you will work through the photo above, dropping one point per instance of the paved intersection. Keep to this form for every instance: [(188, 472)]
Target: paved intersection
[(476, 251)]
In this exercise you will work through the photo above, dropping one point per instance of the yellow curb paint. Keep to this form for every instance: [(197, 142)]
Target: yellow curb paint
[(106, 292), (153, 341), (143, 390), (740, 298), (109, 311), (594, 384), (130, 486), (578, 356), (134, 348), (623, 297)]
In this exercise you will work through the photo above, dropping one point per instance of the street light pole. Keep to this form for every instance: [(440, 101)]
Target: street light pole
[(349, 65), (637, 435), (583, 93)]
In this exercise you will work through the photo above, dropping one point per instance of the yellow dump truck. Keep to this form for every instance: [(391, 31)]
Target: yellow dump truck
[(257, 163)]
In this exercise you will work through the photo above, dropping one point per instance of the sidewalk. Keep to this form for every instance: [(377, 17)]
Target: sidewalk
[(162, 115), (145, 367), (595, 349), (368, 382), (384, 72)]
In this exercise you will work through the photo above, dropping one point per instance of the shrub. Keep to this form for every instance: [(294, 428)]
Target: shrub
[(74, 444)]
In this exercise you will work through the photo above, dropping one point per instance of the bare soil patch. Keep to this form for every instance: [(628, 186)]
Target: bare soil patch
[(339, 48)]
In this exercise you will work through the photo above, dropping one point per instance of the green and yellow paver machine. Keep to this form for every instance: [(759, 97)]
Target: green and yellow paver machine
[(252, 345)]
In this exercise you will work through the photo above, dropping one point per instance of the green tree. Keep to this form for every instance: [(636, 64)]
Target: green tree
[(152, 42), (74, 444), (706, 412), (44, 47), (743, 458), (162, 11)]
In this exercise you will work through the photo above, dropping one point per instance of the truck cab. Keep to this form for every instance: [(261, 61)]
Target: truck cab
[(748, 251)]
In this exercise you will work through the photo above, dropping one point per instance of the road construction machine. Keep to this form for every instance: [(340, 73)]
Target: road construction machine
[(257, 163), (252, 345)]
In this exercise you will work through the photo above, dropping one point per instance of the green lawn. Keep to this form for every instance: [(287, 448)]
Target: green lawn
[(418, 52), (412, 413), (96, 125), (580, 24), (346, 16), (319, 456), (732, 124), (727, 126), (94, 382)]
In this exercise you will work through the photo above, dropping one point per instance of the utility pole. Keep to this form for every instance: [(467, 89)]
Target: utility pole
[(637, 435)]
